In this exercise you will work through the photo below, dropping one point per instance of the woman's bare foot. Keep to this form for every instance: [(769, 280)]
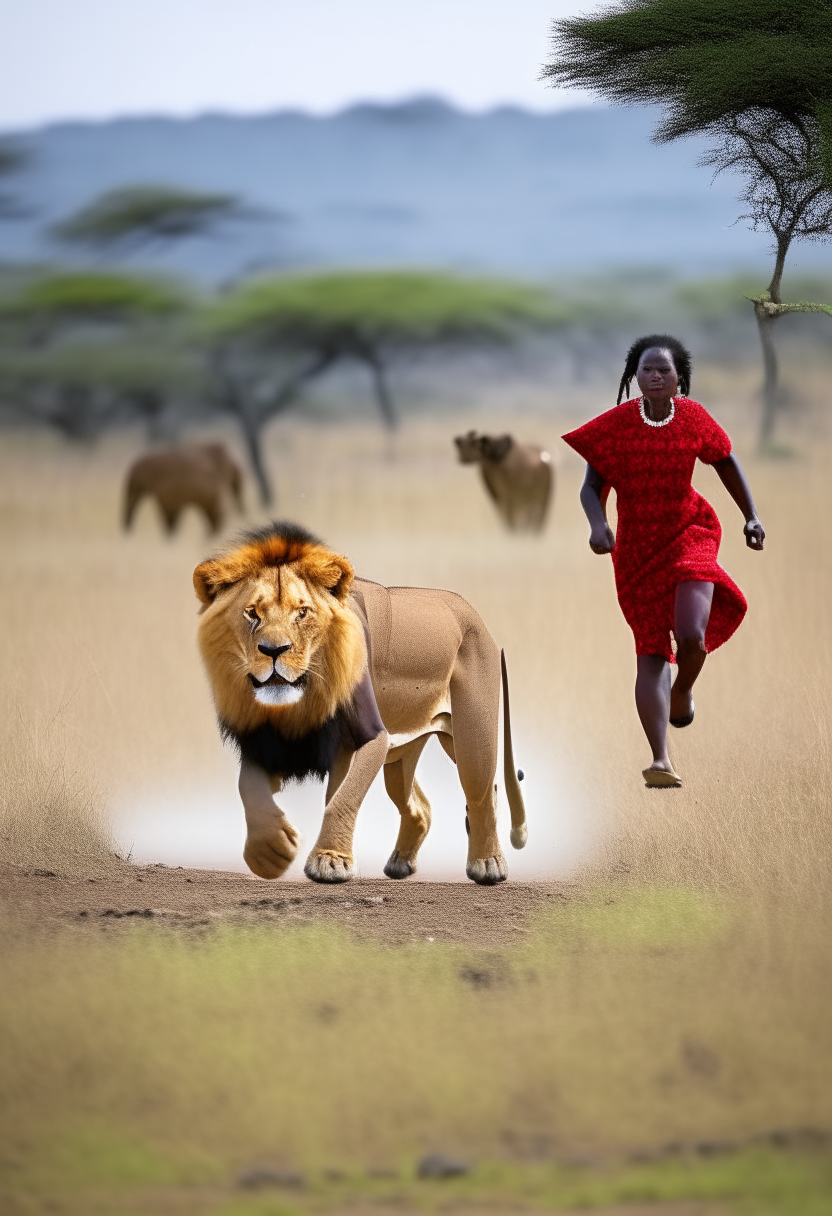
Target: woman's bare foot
[(662, 766), (681, 705)]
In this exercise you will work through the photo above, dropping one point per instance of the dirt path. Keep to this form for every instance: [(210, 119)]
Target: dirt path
[(394, 912)]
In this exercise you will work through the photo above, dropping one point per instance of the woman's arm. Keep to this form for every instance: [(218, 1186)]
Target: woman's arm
[(732, 477), (601, 535)]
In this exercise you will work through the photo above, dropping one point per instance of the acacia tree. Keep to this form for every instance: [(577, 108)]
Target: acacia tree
[(755, 77), (124, 220), (272, 336), (87, 347), (81, 388)]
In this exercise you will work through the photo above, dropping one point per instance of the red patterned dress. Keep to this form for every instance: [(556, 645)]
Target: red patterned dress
[(667, 533)]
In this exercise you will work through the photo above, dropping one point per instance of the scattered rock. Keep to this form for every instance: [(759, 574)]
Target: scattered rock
[(795, 1137), (580, 1161), (700, 1059), (84, 913), (146, 912), (259, 1176), (476, 978), (373, 901), (712, 1148), (45, 873), (436, 1165)]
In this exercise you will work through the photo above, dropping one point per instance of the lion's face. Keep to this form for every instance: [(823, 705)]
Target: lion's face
[(279, 621), (473, 448), (468, 448), (277, 635)]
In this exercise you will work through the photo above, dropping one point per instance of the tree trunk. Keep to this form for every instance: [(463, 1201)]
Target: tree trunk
[(771, 387), (382, 392), (783, 242), (253, 438)]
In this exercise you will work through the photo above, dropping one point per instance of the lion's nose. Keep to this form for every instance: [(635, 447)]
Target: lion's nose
[(273, 651)]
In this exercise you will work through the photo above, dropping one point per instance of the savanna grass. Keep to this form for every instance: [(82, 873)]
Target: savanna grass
[(682, 996)]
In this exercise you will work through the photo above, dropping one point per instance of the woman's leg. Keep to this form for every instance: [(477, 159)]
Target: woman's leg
[(653, 704), (693, 609)]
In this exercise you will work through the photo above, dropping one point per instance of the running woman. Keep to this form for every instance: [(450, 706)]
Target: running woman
[(665, 553)]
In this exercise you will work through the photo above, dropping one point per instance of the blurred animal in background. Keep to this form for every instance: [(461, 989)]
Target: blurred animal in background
[(317, 673), (201, 475), (518, 477)]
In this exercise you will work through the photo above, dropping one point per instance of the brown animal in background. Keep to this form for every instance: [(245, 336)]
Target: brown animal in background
[(518, 476), (315, 672), (193, 474)]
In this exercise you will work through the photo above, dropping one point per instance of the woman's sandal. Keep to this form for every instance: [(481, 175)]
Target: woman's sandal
[(661, 779), (686, 721)]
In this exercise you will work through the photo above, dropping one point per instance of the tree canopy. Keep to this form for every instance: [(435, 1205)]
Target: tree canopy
[(755, 76), (92, 295), (704, 60), (142, 215), (351, 311)]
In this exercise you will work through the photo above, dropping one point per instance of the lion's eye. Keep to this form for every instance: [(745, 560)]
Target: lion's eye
[(301, 613), (251, 615)]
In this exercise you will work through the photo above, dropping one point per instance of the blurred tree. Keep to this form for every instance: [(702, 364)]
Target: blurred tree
[(312, 322), (126, 219), (54, 302), (753, 75), (83, 387), (86, 347), (13, 158)]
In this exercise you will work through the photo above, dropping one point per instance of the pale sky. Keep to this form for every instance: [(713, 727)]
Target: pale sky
[(93, 59)]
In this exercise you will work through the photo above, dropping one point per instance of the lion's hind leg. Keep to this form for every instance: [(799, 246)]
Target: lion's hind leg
[(475, 709), (414, 808)]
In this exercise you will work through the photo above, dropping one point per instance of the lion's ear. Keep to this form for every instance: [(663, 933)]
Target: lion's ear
[(331, 572), (209, 579)]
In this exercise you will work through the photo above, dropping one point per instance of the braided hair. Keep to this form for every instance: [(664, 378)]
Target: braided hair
[(681, 361)]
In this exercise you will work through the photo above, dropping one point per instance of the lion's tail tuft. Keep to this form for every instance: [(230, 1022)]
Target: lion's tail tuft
[(519, 832)]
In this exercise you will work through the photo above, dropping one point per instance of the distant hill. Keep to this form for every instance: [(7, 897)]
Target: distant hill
[(417, 183)]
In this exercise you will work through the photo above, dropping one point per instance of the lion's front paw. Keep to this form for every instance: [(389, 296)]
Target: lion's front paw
[(268, 854), (487, 870), (399, 866), (327, 865)]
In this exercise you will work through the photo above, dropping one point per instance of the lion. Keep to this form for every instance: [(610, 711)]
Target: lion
[(193, 474), (317, 672), (518, 477)]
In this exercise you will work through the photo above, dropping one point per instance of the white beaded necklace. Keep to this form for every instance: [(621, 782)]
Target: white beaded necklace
[(662, 421)]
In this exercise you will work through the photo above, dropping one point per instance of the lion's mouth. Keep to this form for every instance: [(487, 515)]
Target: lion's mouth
[(275, 680)]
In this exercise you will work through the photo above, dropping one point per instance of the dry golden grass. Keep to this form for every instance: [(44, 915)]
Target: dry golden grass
[(694, 1005), (100, 662)]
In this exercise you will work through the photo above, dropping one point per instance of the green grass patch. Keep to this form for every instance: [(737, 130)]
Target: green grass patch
[(637, 918)]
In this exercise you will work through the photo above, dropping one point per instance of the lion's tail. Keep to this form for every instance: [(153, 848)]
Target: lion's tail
[(519, 831)]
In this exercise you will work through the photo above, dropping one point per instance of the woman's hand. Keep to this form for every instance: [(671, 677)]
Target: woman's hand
[(602, 539), (755, 533)]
